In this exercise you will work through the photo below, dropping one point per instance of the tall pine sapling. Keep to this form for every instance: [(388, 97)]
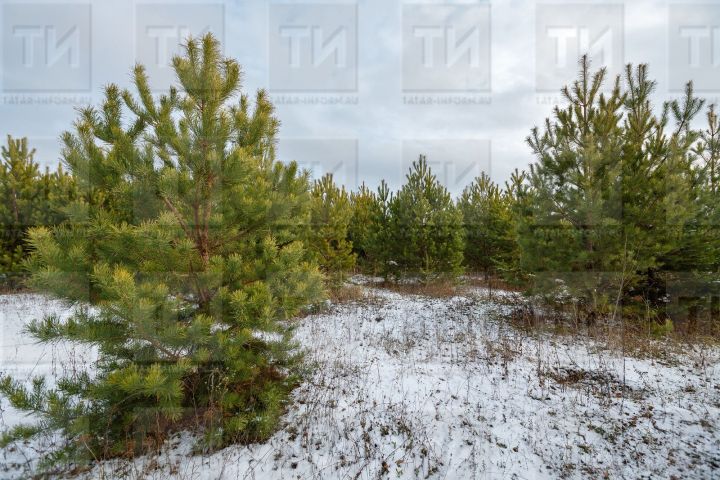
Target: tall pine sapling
[(185, 255)]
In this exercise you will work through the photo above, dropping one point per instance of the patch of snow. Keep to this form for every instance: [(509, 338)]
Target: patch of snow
[(406, 386)]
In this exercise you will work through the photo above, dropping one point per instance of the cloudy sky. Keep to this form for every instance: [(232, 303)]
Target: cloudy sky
[(361, 88)]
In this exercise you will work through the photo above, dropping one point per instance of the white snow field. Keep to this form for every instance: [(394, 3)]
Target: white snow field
[(406, 386)]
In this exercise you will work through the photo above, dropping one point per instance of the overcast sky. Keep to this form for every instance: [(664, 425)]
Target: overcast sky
[(361, 88)]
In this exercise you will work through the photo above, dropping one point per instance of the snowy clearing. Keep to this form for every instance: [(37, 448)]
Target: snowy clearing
[(406, 386)]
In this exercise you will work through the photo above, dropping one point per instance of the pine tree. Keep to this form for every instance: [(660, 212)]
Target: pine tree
[(517, 195), (707, 190), (29, 199), (708, 148), (610, 193), (330, 219), (488, 221), (362, 204), (425, 228), (377, 235), (189, 244), (369, 229)]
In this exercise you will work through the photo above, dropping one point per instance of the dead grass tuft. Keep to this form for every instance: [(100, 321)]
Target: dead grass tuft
[(346, 294)]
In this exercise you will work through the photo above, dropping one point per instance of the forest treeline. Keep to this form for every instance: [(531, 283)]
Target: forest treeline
[(617, 214), (186, 245), (620, 206)]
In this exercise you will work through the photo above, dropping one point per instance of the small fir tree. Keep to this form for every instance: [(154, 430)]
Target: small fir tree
[(488, 221), (189, 244), (425, 228), (362, 205), (330, 220), (369, 229), (517, 195)]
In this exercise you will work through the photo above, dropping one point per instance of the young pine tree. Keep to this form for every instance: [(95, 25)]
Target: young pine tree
[(330, 219), (362, 205), (369, 229), (425, 228), (707, 190), (517, 195), (488, 222), (189, 247), (29, 199)]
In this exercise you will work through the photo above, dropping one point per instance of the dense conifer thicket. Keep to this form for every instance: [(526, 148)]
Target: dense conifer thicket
[(621, 202), (185, 256), (28, 198), (415, 232)]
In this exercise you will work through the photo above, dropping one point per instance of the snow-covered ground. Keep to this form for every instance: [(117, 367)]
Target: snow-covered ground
[(406, 386)]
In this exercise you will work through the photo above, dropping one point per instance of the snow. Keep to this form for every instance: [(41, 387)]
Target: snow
[(405, 386)]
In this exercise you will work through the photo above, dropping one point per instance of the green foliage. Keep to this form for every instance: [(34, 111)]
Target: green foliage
[(662, 330), (489, 227), (189, 245), (369, 227), (417, 232), (424, 235), (330, 220), (612, 198), (29, 198), (517, 196), (362, 206)]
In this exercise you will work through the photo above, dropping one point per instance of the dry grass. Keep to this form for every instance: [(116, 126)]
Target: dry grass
[(492, 283), (346, 294), (434, 289), (10, 290), (633, 337)]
